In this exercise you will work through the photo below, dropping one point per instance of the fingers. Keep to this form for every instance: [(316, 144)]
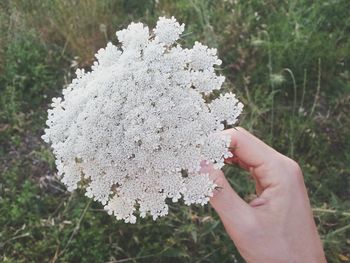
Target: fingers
[(248, 149), (260, 160), (226, 202), (235, 160), (255, 156)]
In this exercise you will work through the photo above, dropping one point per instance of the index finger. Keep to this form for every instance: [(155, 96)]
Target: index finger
[(249, 149)]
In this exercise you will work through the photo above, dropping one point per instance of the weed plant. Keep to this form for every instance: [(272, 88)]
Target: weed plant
[(287, 60)]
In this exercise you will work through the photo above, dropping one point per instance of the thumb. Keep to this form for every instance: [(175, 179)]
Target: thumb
[(226, 202)]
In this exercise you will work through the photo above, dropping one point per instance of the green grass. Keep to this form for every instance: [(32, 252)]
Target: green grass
[(287, 60)]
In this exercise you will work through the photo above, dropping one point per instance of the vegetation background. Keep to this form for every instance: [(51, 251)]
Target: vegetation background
[(288, 61)]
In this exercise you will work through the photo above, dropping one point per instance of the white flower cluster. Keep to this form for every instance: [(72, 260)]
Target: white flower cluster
[(135, 129)]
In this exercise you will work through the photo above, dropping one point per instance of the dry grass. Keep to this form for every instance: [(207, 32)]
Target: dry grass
[(79, 27)]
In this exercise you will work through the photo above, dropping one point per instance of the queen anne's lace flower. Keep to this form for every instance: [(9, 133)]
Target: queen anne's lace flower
[(135, 129)]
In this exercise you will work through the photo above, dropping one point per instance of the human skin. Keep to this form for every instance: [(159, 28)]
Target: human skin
[(278, 225)]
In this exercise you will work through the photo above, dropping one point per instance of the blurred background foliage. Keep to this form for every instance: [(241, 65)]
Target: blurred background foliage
[(288, 61)]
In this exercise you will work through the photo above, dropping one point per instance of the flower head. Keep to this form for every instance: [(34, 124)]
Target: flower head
[(136, 128)]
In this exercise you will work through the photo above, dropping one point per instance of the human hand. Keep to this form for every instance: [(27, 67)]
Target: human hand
[(278, 225)]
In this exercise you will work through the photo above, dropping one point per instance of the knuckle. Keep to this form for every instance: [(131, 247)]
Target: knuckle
[(294, 169)]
